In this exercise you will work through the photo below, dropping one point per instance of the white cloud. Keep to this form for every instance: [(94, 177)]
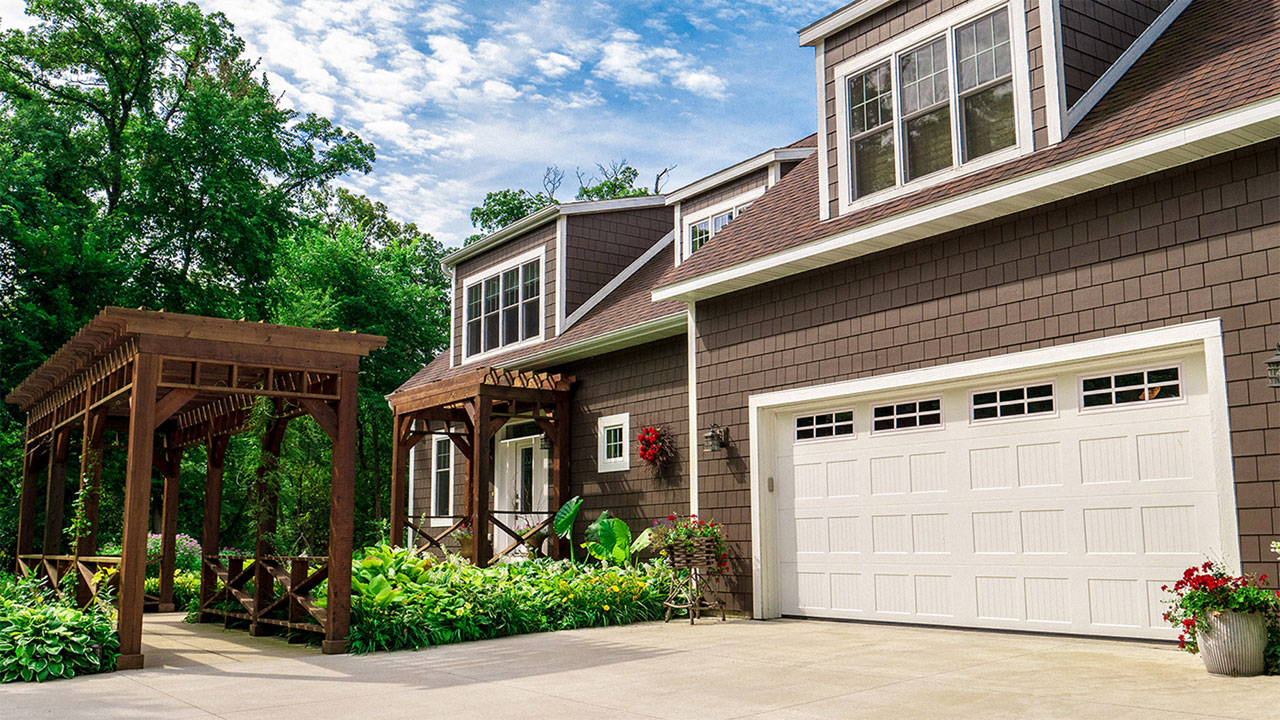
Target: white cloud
[(555, 65), (442, 16), (498, 90), (13, 15), (700, 81)]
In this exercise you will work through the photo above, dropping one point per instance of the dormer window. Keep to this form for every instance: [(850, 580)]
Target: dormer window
[(504, 306), (702, 231), (937, 102)]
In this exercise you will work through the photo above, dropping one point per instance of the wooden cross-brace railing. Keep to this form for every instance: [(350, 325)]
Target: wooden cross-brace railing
[(523, 539), (433, 542), (87, 570), (291, 607)]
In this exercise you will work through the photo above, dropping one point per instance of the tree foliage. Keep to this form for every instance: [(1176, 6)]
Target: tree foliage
[(144, 161)]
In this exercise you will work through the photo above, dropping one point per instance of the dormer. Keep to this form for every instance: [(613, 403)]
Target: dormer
[(514, 288), (915, 93), (704, 207)]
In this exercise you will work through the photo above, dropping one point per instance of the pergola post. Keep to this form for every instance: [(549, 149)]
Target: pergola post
[(95, 431), (342, 490), (56, 492), (210, 534), (268, 500), (137, 496), (481, 481), (399, 486), (169, 526), (27, 502), (560, 471)]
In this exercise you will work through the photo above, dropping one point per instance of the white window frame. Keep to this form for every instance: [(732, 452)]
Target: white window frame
[(737, 203), (603, 464), (1181, 399), (1053, 395), (944, 24), (942, 416), (430, 441), (795, 419), (478, 277)]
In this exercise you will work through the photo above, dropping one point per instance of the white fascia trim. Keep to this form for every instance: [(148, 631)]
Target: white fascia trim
[(523, 225), (621, 277), (691, 340), (1248, 125), (1055, 99), (765, 407), (620, 339), (824, 178), (562, 242), (746, 167), (586, 207), (1122, 64), (840, 19), (678, 244)]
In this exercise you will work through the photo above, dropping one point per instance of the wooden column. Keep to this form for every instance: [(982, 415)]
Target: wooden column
[(137, 511), (56, 492), (481, 482), (342, 490), (210, 535), (95, 431), (169, 527), (27, 500), (560, 488), (268, 510), (400, 427)]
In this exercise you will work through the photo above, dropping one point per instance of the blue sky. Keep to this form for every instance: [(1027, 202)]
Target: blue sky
[(465, 97)]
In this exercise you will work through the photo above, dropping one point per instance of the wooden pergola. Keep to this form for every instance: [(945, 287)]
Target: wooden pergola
[(470, 409), (171, 382)]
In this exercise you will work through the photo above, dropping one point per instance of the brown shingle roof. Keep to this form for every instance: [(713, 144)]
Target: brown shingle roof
[(629, 305), (1215, 57)]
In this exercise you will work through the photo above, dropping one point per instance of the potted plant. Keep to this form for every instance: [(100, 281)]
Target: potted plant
[(696, 550), (466, 540), (1223, 618), (532, 541)]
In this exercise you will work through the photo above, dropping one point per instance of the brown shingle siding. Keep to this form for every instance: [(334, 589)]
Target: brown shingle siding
[(1097, 265), (599, 246), (1095, 33)]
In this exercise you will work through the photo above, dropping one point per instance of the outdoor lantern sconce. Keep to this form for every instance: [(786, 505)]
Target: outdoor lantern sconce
[(1273, 369), (544, 443), (715, 438)]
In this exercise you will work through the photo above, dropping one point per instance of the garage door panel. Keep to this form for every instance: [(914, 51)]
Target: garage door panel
[(1070, 522)]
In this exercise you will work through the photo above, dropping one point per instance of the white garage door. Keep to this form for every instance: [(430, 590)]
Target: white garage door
[(1058, 501)]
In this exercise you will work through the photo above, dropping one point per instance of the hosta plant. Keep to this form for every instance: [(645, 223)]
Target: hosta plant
[(43, 637), (1209, 589)]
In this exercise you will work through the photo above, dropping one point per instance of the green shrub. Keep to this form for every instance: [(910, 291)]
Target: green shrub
[(43, 637), (453, 601), (186, 587)]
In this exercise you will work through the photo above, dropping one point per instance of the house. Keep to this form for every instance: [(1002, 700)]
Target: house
[(992, 356)]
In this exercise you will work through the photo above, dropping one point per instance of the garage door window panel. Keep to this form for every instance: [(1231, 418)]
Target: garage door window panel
[(1027, 401), (822, 426), (1131, 388), (916, 415)]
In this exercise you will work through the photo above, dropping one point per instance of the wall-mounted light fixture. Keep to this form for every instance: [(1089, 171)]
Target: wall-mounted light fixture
[(715, 438), (1273, 369), (544, 443)]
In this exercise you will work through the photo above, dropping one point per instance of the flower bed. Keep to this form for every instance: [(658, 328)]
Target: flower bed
[(42, 637), (400, 601)]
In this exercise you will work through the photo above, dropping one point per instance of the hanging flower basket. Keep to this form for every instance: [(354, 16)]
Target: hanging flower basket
[(657, 448)]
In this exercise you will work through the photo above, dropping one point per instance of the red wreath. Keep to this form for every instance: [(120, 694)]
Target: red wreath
[(656, 448)]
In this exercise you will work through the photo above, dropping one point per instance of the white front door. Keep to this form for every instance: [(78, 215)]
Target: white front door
[(520, 488), (1060, 499)]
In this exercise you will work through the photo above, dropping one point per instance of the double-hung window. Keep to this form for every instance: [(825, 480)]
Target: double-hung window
[(442, 478), (945, 101), (503, 309)]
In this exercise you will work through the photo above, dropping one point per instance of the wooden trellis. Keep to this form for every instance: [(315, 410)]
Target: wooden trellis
[(470, 409), (172, 382)]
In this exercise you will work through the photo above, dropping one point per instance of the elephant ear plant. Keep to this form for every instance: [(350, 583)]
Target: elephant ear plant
[(609, 541), (565, 517)]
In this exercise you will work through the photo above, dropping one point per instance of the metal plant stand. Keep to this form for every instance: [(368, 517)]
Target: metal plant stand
[(691, 563)]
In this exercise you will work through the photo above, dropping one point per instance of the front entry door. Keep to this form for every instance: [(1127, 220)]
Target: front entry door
[(520, 488)]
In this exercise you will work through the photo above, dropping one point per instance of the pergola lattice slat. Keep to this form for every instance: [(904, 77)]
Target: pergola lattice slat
[(172, 382)]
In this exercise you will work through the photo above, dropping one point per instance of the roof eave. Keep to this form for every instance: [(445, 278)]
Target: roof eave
[(840, 19), (1231, 130), (733, 172)]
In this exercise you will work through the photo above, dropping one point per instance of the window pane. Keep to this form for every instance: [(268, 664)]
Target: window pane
[(719, 221), (526, 479), (473, 302), (982, 50), (987, 118), (1097, 400), (492, 298), (473, 337), (532, 287), (511, 306), (1162, 376), (444, 451), (698, 235), (924, 77), (984, 413), (928, 139), (530, 319), (870, 105), (1101, 383), (873, 163)]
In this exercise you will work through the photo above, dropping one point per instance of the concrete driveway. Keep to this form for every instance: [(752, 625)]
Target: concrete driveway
[(775, 669)]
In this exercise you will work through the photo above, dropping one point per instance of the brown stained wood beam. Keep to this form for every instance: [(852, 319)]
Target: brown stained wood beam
[(342, 519), (137, 496), (560, 474), (247, 353), (269, 507), (210, 535), (172, 402), (56, 492), (27, 502), (463, 443), (323, 414), (399, 485), (169, 526), (86, 543), (482, 483)]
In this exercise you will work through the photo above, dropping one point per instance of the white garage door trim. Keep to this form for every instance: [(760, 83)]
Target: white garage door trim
[(767, 410)]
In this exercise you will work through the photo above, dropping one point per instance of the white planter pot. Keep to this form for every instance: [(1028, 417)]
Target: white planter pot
[(1233, 644)]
